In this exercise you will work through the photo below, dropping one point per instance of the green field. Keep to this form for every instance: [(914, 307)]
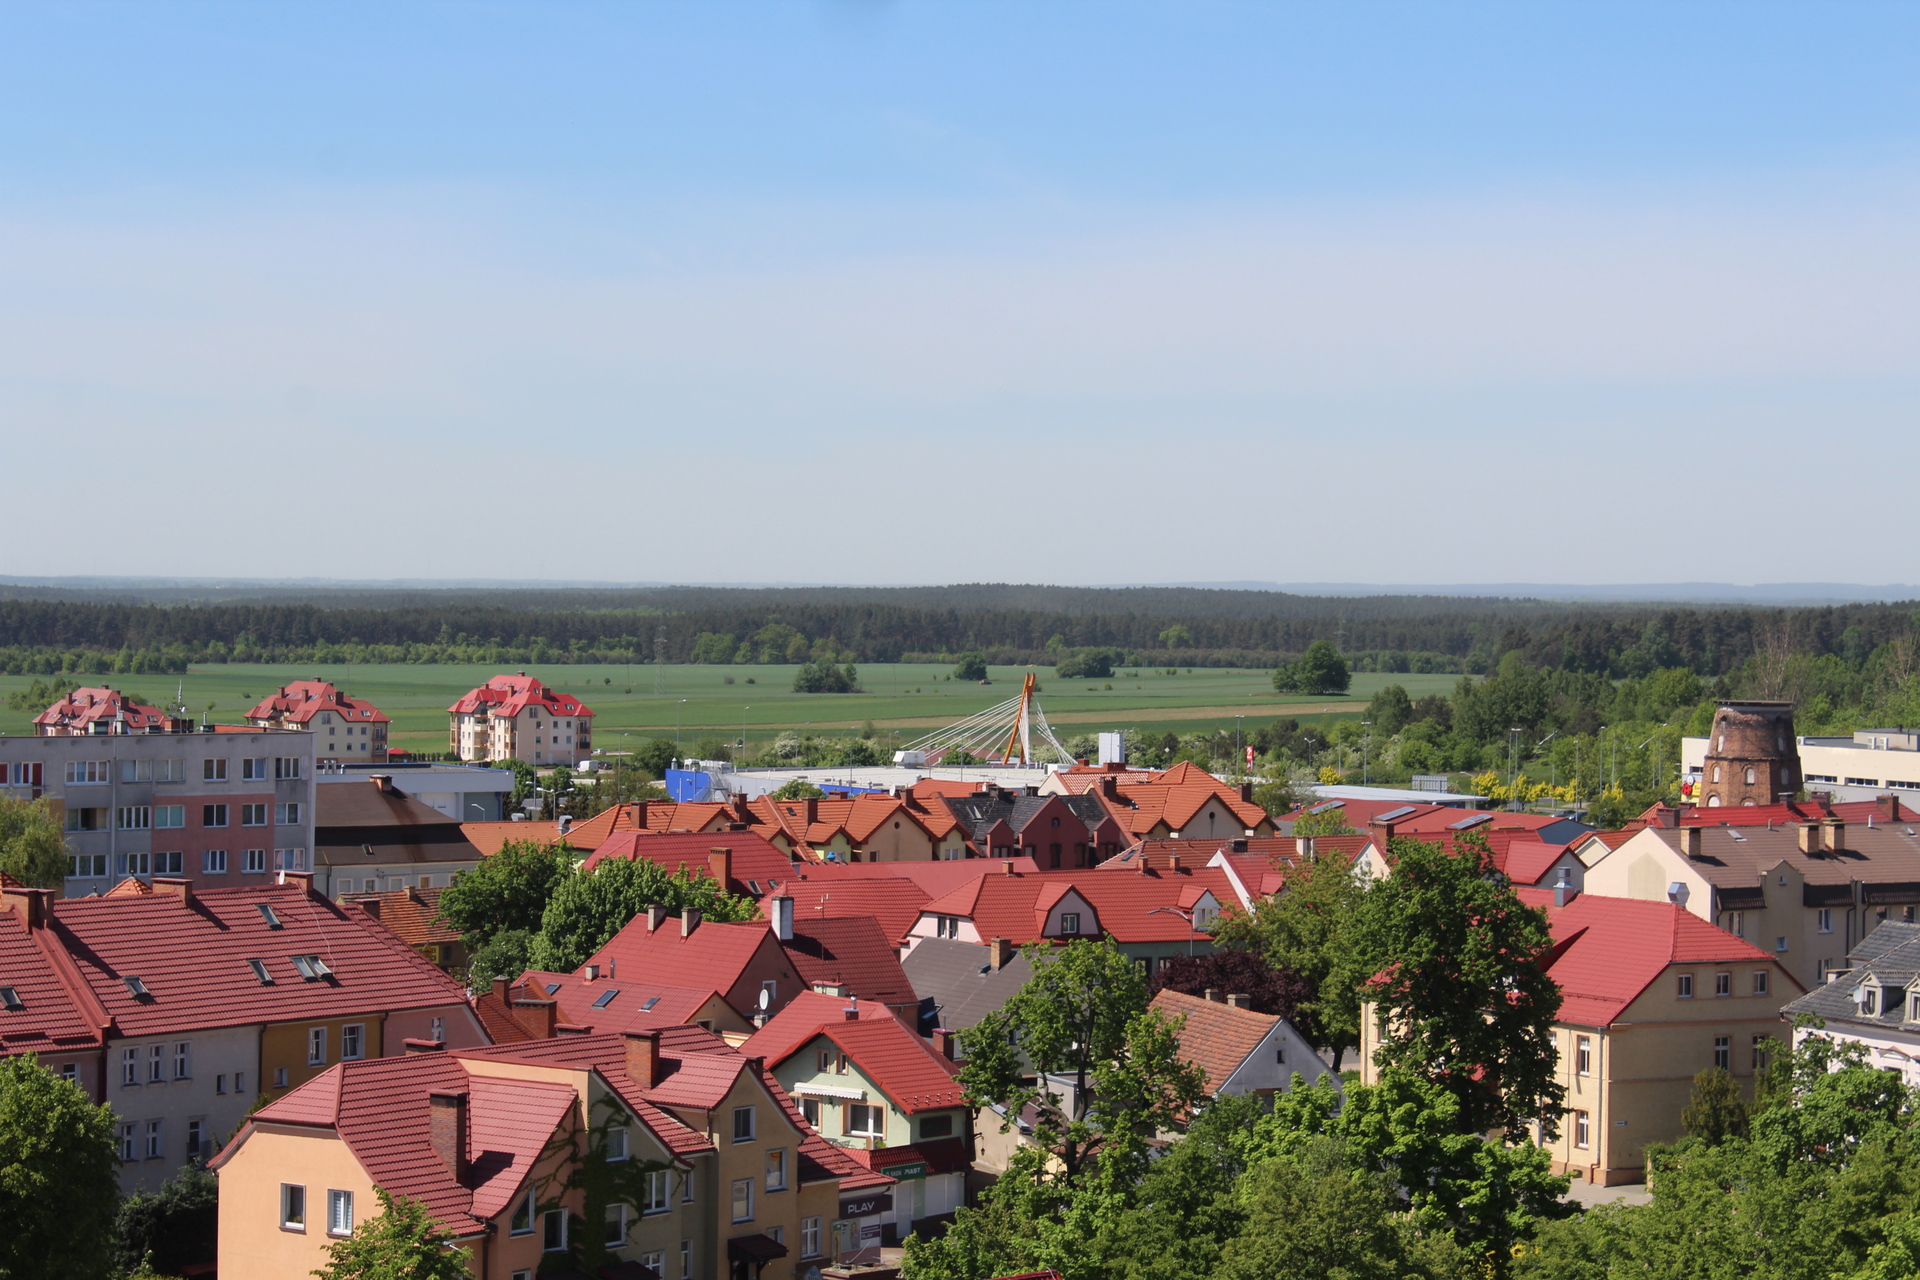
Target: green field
[(902, 700)]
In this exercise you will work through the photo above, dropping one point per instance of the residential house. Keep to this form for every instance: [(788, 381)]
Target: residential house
[(1239, 1049), (1387, 818), (371, 836), (744, 962), (100, 710), (870, 827), (46, 1006), (518, 718), (718, 1175), (661, 817), (1874, 1001), (215, 998), (488, 838), (844, 956), (597, 1002), (893, 902), (960, 983), (1651, 996), (345, 728), (1056, 831), (1806, 893), (1184, 802), (743, 862), (872, 1086), (413, 916), (226, 807)]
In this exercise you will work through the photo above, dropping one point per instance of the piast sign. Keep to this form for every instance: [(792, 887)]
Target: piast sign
[(862, 1206)]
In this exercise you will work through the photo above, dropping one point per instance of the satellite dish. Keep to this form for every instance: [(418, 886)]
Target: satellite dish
[(766, 998)]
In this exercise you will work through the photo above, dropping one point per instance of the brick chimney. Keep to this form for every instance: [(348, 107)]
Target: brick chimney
[(1666, 816), (639, 815), (381, 781), (32, 904), (810, 809), (1381, 831), (643, 1058), (1240, 1001), (1836, 834), (689, 921), (179, 886), (502, 989), (783, 918), (369, 905), (720, 867), (850, 1014), (1246, 792), (1109, 787), (1690, 842), (1213, 995), (1810, 839), (1173, 862), (943, 1043), (536, 1016), (1000, 950), (1889, 808), (447, 1129), (656, 916)]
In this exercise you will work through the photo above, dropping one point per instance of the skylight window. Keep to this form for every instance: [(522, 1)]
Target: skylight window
[(552, 987), (1473, 821), (606, 998), (651, 1001), (259, 968), (755, 886), (1392, 814), (10, 1000), (137, 988), (312, 968), (266, 913)]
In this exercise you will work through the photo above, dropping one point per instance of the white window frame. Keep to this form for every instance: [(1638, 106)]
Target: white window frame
[(339, 1212), (777, 1169), (659, 1190), (316, 1046), (742, 1194), (213, 862), (810, 1237), (616, 1226), (353, 1041), (183, 1060), (293, 1207)]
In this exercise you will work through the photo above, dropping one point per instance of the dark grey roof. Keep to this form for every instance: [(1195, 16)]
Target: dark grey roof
[(1889, 957), (957, 983), (978, 812)]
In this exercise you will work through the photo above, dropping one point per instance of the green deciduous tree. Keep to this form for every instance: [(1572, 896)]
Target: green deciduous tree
[(1306, 931), (401, 1242), (971, 666), (797, 789), (1320, 670), (1451, 959), (172, 1229), (1317, 1214), (824, 677), (1390, 711), (58, 1185), (507, 892), (588, 908), (1716, 1111), (32, 848)]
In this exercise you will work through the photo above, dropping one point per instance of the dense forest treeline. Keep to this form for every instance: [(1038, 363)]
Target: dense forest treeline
[(1151, 626)]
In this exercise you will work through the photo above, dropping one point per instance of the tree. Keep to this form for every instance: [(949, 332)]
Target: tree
[(824, 677), (1390, 711), (1275, 796), (1452, 961), (1273, 991), (1176, 637), (1317, 1214), (32, 848), (713, 649), (588, 908), (507, 954), (797, 789), (1306, 930), (1089, 664), (711, 748), (860, 754), (39, 695), (971, 666), (1331, 823), (172, 1229), (1320, 670), (1716, 1111), (507, 892), (58, 1184), (401, 1242)]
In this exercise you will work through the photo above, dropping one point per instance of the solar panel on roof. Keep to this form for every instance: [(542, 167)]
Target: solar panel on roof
[(1325, 805), (1391, 814), (1473, 821)]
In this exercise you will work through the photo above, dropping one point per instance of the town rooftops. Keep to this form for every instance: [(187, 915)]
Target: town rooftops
[(1887, 808), (101, 709), (1887, 961), (1174, 797), (1142, 907), (981, 810), (351, 817), (898, 1062), (1217, 1037), (490, 837), (660, 816), (45, 1004), (713, 957), (298, 703), (742, 862), (893, 902), (958, 983), (1735, 859), (510, 695), (609, 1004), (180, 959), (789, 1030), (850, 952), (412, 914)]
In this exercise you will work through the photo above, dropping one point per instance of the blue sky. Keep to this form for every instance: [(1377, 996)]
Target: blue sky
[(931, 292)]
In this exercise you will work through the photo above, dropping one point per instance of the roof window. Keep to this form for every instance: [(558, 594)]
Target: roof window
[(651, 1001), (10, 1000), (259, 968), (137, 988), (266, 913), (606, 997), (312, 968), (552, 987)]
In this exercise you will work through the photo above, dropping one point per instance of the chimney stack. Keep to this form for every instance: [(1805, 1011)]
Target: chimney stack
[(1240, 1001), (1303, 845), (1810, 841), (536, 1016), (811, 809), (720, 867), (502, 989), (1001, 951), (656, 916), (689, 921), (1667, 816), (1889, 806), (1213, 995), (447, 1129), (32, 904), (1836, 834), (783, 918), (643, 1058), (381, 781), (943, 1043), (415, 1044), (179, 886), (850, 1014), (1690, 842), (1173, 862), (590, 972), (1246, 791)]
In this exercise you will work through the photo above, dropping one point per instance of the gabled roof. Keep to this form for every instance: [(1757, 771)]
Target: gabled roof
[(1135, 907), (1217, 1038), (756, 866), (299, 702), (1890, 955), (1760, 815), (1736, 858), (1175, 797), (349, 818), (789, 1030), (893, 902), (80, 709), (959, 980), (981, 810), (1525, 861), (488, 837), (510, 695), (1607, 951), (936, 877), (814, 823), (617, 1004), (412, 914), (712, 959), (515, 1012), (57, 1011), (191, 951), (660, 816), (899, 1063), (850, 951)]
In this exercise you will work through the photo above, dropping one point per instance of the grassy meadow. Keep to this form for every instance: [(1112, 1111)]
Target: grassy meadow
[(902, 700)]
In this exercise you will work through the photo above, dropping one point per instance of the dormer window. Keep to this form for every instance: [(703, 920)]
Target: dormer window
[(1869, 1001), (1070, 922)]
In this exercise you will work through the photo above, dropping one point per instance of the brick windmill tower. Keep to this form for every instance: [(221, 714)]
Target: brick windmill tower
[(1753, 755)]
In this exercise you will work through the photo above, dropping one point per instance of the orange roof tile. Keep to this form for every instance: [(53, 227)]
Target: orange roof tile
[(488, 837), (1217, 1038), (412, 914)]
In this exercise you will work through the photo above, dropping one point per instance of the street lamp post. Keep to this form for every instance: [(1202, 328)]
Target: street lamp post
[(1184, 914)]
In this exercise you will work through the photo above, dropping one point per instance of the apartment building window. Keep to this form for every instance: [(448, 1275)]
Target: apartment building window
[(253, 860), (1761, 982), (863, 1121), (339, 1213), (220, 1083), (553, 1231), (286, 767), (214, 862), (156, 1063), (616, 1144), (253, 815), (86, 866), (213, 815), (1760, 1047), (183, 1060), (810, 1108), (292, 860), (743, 1199), (86, 819), (1583, 1055), (156, 1139), (937, 1127), (168, 862), (686, 1260), (196, 1138), (656, 1260), (1582, 1130), (213, 770), (352, 1041), (521, 1224), (239, 1082), (686, 1187), (1780, 944), (1685, 990), (1824, 919), (252, 770), (129, 1066), (616, 1226), (1722, 984), (136, 864), (293, 1207), (133, 817), (169, 817), (286, 815), (316, 1046), (279, 1078), (87, 773), (70, 1072), (438, 1030), (809, 1237), (1723, 1052), (659, 1191), (136, 771), (776, 1170), (743, 1124), (1069, 922)]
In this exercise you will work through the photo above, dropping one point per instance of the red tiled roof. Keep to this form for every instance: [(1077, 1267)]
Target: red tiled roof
[(898, 1062), (660, 816), (301, 701), (1525, 861), (756, 866), (488, 837), (788, 1031), (1129, 908), (1217, 1038), (509, 1015), (192, 957), (636, 1005), (510, 695), (1760, 815), (935, 877), (412, 914), (942, 1155), (894, 902), (712, 959), (1609, 950), (82, 708), (849, 950), (1174, 797), (57, 1010)]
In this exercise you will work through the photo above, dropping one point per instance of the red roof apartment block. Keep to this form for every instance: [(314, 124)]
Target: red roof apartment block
[(518, 718), (102, 710), (336, 719)]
